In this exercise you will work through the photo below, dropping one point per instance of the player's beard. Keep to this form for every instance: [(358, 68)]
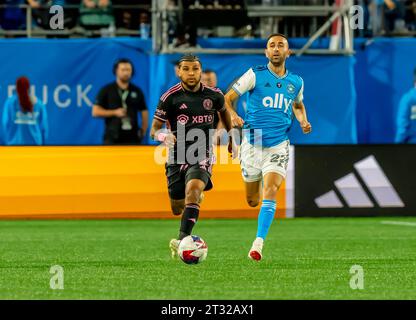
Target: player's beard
[(278, 62), (192, 86)]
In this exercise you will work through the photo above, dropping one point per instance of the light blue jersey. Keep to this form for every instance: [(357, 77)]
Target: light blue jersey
[(269, 104), (24, 128), (406, 118)]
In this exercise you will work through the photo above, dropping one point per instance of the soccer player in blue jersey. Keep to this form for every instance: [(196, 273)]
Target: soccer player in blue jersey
[(274, 96), (406, 117)]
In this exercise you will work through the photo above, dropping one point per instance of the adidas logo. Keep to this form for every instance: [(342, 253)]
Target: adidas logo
[(353, 193), (183, 106), (267, 85)]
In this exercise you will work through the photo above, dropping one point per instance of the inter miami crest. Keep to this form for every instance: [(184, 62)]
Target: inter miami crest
[(207, 104)]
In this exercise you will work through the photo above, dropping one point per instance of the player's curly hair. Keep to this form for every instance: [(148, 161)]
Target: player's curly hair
[(189, 58)]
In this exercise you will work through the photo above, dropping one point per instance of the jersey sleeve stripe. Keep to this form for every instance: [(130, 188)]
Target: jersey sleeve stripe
[(234, 87), (167, 93), (170, 93), (213, 89)]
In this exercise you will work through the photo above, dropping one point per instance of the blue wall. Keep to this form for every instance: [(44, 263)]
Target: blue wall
[(384, 72), (331, 104), (349, 99), (68, 74)]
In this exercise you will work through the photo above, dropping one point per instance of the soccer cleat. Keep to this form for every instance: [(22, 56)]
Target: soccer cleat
[(174, 245), (256, 248)]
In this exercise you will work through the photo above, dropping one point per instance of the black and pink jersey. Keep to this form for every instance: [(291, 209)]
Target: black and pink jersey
[(189, 115)]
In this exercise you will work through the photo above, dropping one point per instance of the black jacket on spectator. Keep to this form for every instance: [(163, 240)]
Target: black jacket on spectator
[(109, 97)]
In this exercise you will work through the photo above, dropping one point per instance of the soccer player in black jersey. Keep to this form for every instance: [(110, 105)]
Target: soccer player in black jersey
[(188, 110)]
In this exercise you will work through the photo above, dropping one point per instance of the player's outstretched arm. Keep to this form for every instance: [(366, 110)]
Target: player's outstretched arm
[(230, 97), (156, 126), (300, 113), (155, 133)]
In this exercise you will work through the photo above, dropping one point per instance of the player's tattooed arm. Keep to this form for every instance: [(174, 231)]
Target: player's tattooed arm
[(299, 111), (165, 137), (230, 97)]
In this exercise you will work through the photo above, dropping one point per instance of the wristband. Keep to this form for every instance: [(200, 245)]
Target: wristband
[(161, 137)]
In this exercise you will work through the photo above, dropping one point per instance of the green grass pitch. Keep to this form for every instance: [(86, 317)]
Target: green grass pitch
[(130, 259)]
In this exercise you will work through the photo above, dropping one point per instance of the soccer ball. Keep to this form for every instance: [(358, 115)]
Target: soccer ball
[(192, 249)]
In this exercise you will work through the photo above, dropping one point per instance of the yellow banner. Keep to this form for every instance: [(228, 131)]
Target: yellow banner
[(109, 182)]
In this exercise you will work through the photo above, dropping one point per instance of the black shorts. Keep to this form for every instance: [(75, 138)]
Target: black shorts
[(178, 176)]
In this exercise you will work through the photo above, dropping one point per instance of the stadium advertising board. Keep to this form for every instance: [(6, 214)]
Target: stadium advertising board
[(348, 180)]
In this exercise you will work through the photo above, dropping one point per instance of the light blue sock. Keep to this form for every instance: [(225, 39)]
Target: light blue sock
[(265, 219)]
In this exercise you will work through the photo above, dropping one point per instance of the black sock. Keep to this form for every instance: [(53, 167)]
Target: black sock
[(189, 218)]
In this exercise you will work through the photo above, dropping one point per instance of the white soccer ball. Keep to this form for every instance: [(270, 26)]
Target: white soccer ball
[(193, 249)]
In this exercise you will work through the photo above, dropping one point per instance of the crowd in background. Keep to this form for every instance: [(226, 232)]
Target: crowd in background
[(381, 17), (89, 14)]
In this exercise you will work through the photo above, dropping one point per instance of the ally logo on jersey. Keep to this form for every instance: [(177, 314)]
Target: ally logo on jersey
[(279, 101), (269, 102)]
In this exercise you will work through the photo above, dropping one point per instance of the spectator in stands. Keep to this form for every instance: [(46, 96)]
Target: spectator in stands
[(129, 18), (394, 12), (72, 13), (387, 16), (125, 18), (119, 104), (24, 120), (12, 17), (96, 14), (410, 15), (42, 16), (406, 117)]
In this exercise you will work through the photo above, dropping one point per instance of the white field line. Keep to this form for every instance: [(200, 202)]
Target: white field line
[(400, 223)]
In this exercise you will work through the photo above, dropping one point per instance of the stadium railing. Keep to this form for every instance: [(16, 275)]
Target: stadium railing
[(31, 30), (319, 12), (161, 15)]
